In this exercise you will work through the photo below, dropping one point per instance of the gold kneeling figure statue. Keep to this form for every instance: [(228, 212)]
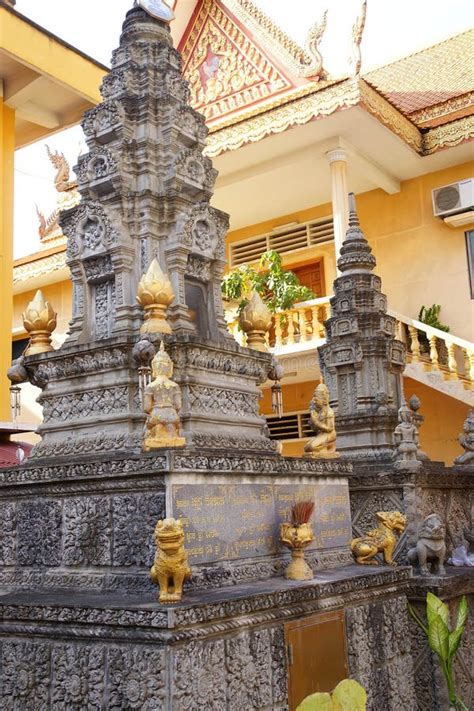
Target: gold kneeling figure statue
[(162, 404), (323, 446), (171, 567), (380, 540)]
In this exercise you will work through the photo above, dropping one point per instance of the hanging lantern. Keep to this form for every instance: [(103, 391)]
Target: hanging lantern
[(143, 353), (276, 373), (277, 399), (15, 402)]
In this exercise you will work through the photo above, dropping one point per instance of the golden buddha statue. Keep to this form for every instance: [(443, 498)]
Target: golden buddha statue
[(162, 404), (323, 446)]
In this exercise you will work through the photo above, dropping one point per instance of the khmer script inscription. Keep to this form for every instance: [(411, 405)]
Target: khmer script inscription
[(226, 522)]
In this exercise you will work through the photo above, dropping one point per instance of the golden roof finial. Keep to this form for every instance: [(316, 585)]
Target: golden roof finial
[(39, 319), (155, 293)]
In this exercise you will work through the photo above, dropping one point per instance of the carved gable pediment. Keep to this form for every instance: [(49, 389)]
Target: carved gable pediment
[(226, 69)]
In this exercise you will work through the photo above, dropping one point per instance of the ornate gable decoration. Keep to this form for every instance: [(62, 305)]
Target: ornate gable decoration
[(226, 70)]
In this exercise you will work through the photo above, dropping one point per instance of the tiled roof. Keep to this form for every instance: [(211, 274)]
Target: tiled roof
[(8, 453), (430, 78)]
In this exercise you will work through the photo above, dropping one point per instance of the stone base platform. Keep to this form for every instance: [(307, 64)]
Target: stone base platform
[(87, 523), (222, 650)]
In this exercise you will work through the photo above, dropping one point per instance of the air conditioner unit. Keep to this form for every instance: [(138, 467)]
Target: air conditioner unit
[(454, 198)]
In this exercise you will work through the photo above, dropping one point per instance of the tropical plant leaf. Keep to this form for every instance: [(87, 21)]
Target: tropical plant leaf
[(454, 640), (317, 702), (463, 611), (438, 637), (349, 695), (435, 606)]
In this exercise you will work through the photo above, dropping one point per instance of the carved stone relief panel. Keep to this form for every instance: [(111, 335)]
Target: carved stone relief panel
[(222, 401), (78, 678), (8, 535), (136, 679), (39, 533), (87, 532), (26, 675), (134, 521)]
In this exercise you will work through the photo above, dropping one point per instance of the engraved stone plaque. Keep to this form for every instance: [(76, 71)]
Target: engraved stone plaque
[(227, 522)]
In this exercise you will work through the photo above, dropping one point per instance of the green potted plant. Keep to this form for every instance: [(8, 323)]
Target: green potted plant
[(429, 315), (443, 641), (279, 288)]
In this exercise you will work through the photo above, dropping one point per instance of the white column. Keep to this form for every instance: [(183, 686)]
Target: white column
[(340, 203)]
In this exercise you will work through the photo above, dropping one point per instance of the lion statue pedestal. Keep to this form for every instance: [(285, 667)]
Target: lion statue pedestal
[(430, 547)]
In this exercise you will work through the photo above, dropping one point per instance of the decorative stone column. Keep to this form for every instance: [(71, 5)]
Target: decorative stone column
[(338, 162), (362, 361)]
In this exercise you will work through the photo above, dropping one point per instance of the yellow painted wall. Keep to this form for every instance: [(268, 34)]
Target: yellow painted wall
[(7, 147), (444, 419), (420, 259)]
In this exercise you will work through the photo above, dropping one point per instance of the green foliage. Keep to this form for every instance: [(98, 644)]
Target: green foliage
[(430, 316), (348, 695), (443, 642), (279, 288)]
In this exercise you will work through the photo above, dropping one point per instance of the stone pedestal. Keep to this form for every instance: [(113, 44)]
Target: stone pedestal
[(217, 651), (87, 523)]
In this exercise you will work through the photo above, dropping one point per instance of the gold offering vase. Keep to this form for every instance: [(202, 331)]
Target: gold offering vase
[(296, 538)]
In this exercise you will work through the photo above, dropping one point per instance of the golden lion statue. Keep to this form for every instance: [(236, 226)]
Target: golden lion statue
[(380, 540), (171, 567)]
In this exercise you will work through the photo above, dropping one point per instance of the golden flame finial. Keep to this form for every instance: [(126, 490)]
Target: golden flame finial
[(40, 321), (255, 320), (155, 293)]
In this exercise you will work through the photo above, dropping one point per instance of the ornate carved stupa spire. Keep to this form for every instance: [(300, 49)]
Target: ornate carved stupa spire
[(146, 188), (362, 362)]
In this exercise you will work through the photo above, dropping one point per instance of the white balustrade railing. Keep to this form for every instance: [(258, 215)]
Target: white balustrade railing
[(435, 349)]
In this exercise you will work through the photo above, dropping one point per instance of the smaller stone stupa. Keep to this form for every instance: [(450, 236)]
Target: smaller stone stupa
[(362, 361)]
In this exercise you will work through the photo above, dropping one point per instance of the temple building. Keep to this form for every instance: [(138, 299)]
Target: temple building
[(282, 128)]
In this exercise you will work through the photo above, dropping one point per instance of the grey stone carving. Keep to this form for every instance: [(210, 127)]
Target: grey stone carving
[(87, 532), (418, 419), (78, 677), (39, 533), (407, 441), (134, 520), (361, 361), (466, 440), (26, 675), (430, 547), (136, 679)]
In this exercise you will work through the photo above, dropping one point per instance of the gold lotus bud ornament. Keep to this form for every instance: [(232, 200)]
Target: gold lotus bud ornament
[(296, 536), (154, 295), (255, 320), (39, 320)]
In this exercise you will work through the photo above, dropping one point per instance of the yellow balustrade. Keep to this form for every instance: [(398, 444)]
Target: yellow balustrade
[(435, 350), (452, 356)]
